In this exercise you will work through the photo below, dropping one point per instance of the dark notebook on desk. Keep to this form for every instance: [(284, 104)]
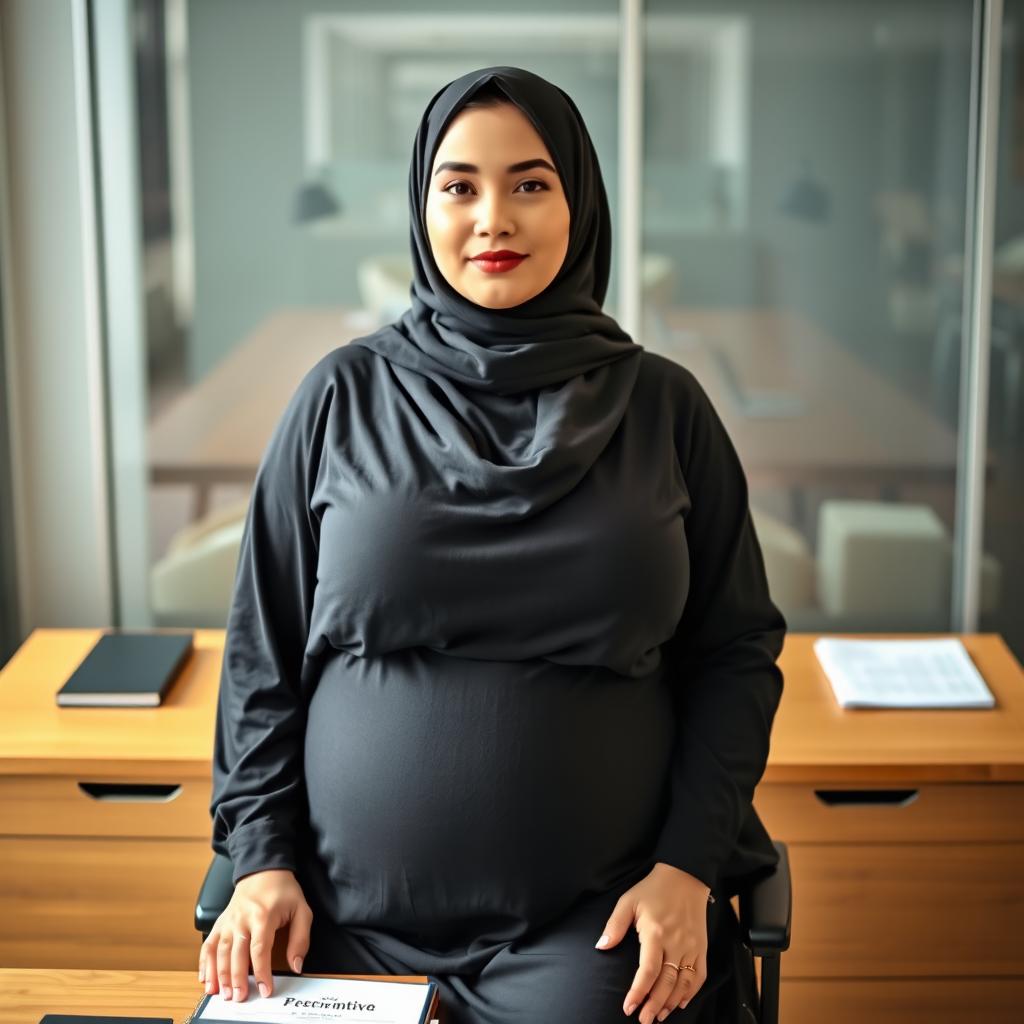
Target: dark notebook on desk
[(133, 669)]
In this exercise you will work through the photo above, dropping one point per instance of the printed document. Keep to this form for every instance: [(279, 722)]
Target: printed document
[(902, 673), (338, 1000)]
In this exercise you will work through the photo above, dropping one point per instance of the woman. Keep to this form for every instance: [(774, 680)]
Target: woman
[(499, 672)]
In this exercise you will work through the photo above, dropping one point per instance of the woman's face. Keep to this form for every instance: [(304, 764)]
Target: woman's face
[(480, 200)]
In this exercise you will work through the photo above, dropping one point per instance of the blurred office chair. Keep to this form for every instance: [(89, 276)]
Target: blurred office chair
[(191, 585), (876, 565), (766, 909), (890, 559)]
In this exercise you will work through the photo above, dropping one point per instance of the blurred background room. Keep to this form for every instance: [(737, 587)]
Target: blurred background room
[(200, 199)]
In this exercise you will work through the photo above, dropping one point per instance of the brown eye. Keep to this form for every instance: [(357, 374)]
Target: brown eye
[(532, 181)]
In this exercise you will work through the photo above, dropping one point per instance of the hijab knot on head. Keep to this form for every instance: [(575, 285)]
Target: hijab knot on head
[(553, 336)]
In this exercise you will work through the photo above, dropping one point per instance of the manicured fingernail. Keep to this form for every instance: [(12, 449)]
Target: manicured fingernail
[(601, 942), (202, 972), (264, 989), (209, 986), (297, 964), (226, 993), (238, 992), (663, 1015), (630, 1008)]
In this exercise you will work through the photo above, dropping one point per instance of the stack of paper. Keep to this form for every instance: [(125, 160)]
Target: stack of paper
[(902, 673)]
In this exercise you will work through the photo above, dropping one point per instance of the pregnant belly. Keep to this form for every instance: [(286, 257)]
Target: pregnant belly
[(448, 792)]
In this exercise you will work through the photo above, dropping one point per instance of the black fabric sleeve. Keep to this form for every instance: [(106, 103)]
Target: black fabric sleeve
[(727, 685), (259, 806)]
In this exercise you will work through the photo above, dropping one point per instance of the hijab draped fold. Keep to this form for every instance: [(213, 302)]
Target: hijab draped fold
[(533, 393)]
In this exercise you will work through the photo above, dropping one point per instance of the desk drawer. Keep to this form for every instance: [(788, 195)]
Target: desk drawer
[(43, 805), (904, 910), (101, 903), (932, 812)]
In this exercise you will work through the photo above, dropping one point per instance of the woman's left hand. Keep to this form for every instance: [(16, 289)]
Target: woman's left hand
[(669, 907)]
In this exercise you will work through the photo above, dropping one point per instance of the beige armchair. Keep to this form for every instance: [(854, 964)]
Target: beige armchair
[(191, 584), (876, 565)]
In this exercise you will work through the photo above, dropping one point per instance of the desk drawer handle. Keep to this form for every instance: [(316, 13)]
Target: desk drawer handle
[(866, 797), (131, 792)]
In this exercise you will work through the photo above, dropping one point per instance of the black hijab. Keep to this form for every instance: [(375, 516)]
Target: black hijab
[(535, 390)]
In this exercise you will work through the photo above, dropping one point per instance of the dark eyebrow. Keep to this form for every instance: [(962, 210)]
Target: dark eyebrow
[(452, 165)]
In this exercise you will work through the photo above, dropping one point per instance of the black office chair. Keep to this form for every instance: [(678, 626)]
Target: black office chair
[(765, 912)]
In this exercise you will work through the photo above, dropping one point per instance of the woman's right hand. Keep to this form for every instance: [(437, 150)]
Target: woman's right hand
[(262, 903)]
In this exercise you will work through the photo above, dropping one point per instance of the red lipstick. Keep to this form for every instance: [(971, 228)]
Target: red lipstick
[(497, 262)]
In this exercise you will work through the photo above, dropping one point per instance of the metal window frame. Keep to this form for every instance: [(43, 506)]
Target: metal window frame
[(982, 154), (118, 204), (631, 165)]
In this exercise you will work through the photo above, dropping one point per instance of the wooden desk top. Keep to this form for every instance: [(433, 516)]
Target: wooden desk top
[(39, 738), (813, 738), (25, 995)]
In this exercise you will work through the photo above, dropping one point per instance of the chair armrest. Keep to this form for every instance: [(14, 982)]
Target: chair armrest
[(766, 909), (215, 894)]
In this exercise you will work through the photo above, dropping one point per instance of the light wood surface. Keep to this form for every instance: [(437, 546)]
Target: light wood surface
[(104, 813), (170, 743), (95, 902), (25, 995), (883, 910), (103, 804), (905, 831), (903, 1001), (928, 813), (816, 740)]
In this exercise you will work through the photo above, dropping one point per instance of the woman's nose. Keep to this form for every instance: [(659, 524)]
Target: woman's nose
[(492, 217)]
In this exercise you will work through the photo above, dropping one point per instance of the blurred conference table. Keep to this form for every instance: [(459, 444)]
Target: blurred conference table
[(800, 408)]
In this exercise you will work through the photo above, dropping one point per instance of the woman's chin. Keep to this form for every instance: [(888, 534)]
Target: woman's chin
[(499, 298)]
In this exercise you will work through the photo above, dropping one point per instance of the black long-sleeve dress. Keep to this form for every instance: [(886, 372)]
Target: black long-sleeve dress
[(453, 719)]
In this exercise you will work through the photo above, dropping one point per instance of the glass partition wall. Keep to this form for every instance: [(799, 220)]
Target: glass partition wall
[(1003, 560), (285, 132), (804, 218), (804, 178)]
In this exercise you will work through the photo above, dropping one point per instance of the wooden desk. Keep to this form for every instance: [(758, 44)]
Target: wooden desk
[(905, 831), (906, 901), (25, 995), (89, 850)]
